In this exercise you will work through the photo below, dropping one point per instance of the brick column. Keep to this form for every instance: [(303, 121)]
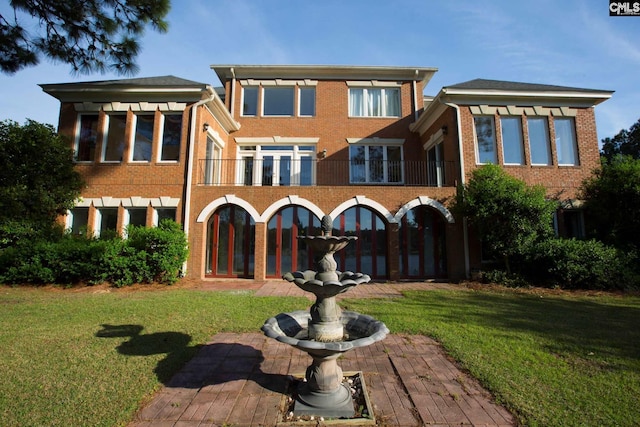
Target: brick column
[(260, 255), (393, 251)]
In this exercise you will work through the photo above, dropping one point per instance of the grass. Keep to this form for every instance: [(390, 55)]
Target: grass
[(552, 360), (83, 358)]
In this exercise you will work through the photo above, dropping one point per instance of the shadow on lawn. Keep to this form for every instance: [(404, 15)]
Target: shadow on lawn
[(563, 325), (208, 365)]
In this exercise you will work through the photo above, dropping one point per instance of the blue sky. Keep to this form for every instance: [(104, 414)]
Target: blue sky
[(569, 43)]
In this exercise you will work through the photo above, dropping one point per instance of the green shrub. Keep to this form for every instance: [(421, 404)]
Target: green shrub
[(148, 255), (578, 264)]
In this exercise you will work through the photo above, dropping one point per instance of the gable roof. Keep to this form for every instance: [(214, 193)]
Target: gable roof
[(501, 85)]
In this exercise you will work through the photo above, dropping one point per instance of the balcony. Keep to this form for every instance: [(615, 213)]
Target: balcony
[(311, 172)]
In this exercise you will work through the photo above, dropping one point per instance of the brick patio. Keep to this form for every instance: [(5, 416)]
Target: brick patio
[(240, 379)]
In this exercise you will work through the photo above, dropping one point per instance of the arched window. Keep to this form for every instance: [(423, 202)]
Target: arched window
[(230, 243), (368, 254)]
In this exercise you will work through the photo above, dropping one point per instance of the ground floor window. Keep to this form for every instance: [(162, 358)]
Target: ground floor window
[(285, 253), (368, 254), (230, 243), (78, 221), (422, 244)]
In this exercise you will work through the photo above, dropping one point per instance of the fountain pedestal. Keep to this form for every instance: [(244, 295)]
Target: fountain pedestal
[(325, 332)]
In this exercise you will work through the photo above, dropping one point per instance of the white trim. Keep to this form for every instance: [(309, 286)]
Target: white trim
[(434, 140), (373, 83), (424, 201), (363, 201), (229, 199), (126, 106), (287, 140), (288, 201), (376, 141)]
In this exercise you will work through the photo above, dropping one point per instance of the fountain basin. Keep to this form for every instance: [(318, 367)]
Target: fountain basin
[(292, 328)]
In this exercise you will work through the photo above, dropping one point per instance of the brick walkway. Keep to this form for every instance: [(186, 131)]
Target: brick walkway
[(240, 379)]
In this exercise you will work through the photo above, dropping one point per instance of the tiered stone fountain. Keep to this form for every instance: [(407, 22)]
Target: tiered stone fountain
[(326, 331)]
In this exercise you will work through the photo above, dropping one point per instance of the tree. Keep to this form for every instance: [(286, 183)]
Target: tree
[(508, 215), (90, 35), (38, 181), (612, 202), (626, 142)]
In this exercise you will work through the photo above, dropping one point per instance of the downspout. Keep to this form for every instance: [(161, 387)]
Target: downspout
[(190, 154), (465, 233)]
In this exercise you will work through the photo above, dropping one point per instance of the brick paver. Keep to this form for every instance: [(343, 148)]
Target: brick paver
[(240, 379)]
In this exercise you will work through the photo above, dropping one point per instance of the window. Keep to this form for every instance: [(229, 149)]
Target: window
[(435, 165), (375, 164), (485, 139), (250, 101), (512, 140), (276, 165), (107, 222), (539, 140), (114, 141), (137, 216), (143, 138), (278, 101), (374, 102), (307, 101), (164, 213), (78, 221), (85, 149), (566, 145), (171, 136)]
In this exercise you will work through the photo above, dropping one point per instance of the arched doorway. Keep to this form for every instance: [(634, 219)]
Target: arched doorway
[(230, 243), (285, 252), (422, 244), (368, 254)]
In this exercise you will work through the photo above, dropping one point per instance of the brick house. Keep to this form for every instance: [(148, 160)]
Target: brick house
[(248, 167)]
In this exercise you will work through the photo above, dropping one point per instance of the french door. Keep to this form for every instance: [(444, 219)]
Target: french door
[(230, 243), (422, 244), (285, 253)]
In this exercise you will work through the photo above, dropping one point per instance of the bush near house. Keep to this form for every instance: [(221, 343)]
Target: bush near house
[(147, 255)]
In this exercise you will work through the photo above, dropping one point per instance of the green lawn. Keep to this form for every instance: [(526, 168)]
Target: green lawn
[(552, 360), (90, 359)]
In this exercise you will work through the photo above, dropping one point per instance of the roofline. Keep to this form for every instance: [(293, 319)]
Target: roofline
[(324, 72), (71, 92), (448, 95)]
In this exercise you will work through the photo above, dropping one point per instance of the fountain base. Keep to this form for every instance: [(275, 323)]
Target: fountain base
[(337, 404)]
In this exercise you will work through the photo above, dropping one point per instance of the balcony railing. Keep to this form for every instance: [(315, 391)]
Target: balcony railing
[(324, 172)]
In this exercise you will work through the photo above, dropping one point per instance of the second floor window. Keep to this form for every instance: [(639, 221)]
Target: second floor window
[(114, 141), (143, 138), (539, 140), (566, 141), (85, 149), (374, 102), (171, 135), (512, 147), (278, 101), (485, 139), (375, 164)]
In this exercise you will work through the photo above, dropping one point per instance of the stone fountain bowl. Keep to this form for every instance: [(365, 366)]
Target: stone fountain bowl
[(307, 281), (292, 329)]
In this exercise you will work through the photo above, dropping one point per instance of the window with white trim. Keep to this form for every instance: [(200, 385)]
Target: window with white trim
[(276, 165), (374, 102), (566, 144), (250, 101), (107, 222), (171, 137), (277, 101), (512, 146), (86, 138), (538, 128), (161, 214), (114, 142), (142, 138), (307, 101), (375, 164), (78, 221), (485, 139)]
